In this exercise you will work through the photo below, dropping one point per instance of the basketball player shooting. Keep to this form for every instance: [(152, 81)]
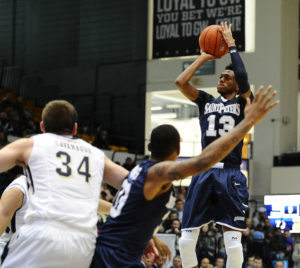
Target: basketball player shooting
[(219, 194), (141, 202)]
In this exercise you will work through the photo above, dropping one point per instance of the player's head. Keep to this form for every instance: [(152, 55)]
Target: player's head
[(59, 117), (227, 83), (164, 142)]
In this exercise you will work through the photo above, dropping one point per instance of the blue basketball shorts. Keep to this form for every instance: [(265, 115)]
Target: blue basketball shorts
[(219, 195), (107, 257)]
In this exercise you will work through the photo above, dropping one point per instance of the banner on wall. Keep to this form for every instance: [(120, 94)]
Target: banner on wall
[(177, 24)]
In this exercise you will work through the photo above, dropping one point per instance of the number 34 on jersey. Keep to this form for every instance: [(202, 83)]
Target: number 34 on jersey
[(67, 168)]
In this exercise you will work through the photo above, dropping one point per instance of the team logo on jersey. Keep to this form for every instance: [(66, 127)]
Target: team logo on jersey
[(239, 218), (221, 108)]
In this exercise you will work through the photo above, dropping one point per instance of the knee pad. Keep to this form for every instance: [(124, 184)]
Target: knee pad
[(234, 249), (187, 247)]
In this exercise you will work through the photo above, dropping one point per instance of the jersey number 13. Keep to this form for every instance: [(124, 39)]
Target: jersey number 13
[(226, 120)]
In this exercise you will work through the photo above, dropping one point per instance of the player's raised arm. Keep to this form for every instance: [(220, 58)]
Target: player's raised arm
[(162, 174), (239, 69), (183, 80)]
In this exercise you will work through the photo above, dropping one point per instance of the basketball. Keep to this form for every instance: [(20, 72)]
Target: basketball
[(212, 42)]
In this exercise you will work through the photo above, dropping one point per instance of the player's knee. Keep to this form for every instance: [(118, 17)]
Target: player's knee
[(234, 249), (187, 245)]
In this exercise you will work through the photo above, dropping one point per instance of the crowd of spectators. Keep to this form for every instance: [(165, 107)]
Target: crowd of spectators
[(263, 245), (15, 122), (15, 119)]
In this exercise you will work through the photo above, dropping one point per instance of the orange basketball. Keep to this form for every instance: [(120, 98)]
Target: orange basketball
[(212, 42)]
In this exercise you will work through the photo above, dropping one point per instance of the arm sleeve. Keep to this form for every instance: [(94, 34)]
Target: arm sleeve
[(240, 73)]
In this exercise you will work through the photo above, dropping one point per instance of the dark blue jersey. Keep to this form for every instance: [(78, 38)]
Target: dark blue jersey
[(132, 218), (217, 117)]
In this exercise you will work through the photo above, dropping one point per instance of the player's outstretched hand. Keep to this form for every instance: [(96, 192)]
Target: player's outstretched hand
[(151, 248), (162, 248), (227, 34), (260, 106)]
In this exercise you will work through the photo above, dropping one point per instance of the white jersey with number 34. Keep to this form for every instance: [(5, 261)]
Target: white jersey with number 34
[(64, 177)]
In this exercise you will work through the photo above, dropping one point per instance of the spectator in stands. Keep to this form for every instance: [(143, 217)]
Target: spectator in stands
[(216, 232), (166, 224), (16, 124), (258, 262), (289, 244), (129, 165), (179, 208), (268, 228), (102, 139), (4, 121), (147, 260), (181, 196), (248, 244), (32, 127), (28, 115), (279, 264), (277, 245), (181, 193), (250, 262), (296, 255), (19, 106), (160, 261), (175, 229), (219, 262), (6, 102), (206, 244), (204, 263), (258, 241), (221, 247), (177, 262), (249, 224), (259, 217)]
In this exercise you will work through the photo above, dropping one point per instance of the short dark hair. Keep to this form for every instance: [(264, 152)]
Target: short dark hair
[(164, 141), (229, 67), (59, 116)]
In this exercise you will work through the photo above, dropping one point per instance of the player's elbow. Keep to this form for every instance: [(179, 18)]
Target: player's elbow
[(180, 83)]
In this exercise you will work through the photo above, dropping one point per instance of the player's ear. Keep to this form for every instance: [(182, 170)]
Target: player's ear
[(149, 146), (42, 127), (74, 132)]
